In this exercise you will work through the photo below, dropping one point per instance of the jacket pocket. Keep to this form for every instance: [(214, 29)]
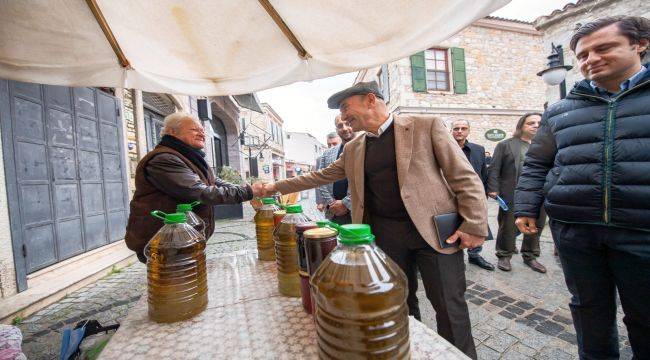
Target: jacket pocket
[(551, 180)]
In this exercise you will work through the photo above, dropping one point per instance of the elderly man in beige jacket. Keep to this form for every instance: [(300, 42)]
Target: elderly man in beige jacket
[(403, 171)]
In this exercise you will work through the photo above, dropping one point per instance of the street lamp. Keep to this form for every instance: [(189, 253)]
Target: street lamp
[(556, 71)]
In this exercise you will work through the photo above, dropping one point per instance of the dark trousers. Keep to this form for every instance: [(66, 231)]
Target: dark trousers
[(475, 252), (506, 244), (443, 277), (597, 261)]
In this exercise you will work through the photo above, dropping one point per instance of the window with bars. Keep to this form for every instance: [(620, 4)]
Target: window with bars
[(437, 67)]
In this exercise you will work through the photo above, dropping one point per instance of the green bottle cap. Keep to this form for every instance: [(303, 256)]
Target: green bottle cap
[(181, 208), (173, 218), (294, 209), (187, 207), (267, 201), (356, 234)]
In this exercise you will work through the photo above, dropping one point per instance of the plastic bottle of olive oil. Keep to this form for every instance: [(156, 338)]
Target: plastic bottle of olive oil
[(360, 297), (264, 227), (176, 270)]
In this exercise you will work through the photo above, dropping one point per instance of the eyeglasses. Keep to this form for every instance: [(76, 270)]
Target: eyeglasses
[(457, 129)]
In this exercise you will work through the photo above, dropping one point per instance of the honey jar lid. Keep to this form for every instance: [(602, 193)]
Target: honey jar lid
[(320, 233)]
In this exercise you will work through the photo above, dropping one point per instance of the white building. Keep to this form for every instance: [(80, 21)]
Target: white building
[(263, 144), (301, 151)]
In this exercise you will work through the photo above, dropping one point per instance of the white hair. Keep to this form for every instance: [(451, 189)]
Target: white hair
[(332, 135), (174, 120)]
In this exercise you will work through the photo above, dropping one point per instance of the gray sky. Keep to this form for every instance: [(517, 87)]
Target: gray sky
[(303, 106)]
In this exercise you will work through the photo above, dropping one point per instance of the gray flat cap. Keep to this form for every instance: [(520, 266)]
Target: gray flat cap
[(361, 88)]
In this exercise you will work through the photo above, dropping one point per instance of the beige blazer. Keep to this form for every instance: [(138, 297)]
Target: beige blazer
[(433, 173)]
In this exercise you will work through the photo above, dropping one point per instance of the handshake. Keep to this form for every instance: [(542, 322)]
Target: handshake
[(261, 189)]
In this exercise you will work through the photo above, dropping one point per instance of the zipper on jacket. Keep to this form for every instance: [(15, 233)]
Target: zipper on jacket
[(608, 145), (608, 160)]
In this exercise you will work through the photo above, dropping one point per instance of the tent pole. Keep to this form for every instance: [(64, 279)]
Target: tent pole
[(101, 20), (285, 29)]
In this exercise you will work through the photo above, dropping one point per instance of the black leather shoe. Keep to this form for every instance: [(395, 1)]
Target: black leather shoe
[(479, 261)]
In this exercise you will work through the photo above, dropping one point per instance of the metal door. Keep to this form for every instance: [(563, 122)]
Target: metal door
[(65, 172)]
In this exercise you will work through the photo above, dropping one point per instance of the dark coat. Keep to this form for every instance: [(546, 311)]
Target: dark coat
[(478, 161), (590, 160), (504, 169), (165, 178)]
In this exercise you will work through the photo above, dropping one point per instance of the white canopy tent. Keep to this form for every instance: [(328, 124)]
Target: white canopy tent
[(217, 47)]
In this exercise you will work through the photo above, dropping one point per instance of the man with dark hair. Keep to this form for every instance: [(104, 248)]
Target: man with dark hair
[(503, 173), (475, 154), (590, 166)]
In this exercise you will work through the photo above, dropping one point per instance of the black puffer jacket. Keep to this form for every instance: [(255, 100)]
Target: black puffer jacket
[(590, 160)]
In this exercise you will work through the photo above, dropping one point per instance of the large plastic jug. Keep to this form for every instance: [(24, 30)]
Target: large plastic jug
[(286, 251), (360, 297), (193, 220), (176, 271), (264, 227)]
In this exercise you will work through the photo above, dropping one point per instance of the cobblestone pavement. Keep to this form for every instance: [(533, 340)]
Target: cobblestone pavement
[(517, 315)]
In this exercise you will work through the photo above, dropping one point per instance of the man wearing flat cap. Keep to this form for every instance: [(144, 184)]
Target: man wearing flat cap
[(403, 171)]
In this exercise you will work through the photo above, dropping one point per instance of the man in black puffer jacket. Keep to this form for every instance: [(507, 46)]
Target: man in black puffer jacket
[(590, 167)]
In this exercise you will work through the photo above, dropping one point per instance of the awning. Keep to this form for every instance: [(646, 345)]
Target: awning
[(249, 101), (221, 47)]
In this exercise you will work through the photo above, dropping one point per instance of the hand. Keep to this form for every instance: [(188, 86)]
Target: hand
[(320, 207), (258, 189), (493, 195), (527, 225), (338, 208), (269, 189), (467, 241)]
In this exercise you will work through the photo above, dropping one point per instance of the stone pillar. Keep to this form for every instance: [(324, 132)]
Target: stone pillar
[(141, 136)]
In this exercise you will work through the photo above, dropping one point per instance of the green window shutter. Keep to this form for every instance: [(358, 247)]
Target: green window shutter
[(418, 72), (459, 74)]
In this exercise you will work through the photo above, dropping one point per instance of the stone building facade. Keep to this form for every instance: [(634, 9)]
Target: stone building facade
[(559, 26), (263, 148), (485, 74)]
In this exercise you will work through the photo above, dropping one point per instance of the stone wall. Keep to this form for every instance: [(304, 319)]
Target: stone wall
[(502, 59), (479, 124), (501, 71), (559, 28), (131, 138)]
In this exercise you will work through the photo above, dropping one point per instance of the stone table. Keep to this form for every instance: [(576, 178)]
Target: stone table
[(246, 318)]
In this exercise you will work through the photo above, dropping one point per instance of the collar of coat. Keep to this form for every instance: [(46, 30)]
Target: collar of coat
[(584, 86)]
